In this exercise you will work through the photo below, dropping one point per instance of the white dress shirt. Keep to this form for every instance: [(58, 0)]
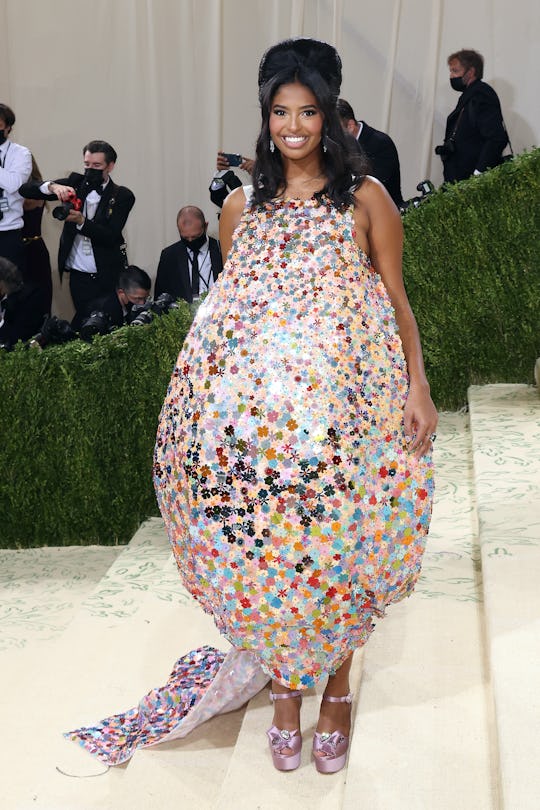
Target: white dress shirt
[(15, 169), (205, 267), (81, 255)]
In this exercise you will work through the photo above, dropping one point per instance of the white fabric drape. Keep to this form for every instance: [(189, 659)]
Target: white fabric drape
[(168, 82)]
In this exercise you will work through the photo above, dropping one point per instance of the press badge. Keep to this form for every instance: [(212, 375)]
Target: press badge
[(4, 204), (87, 246)]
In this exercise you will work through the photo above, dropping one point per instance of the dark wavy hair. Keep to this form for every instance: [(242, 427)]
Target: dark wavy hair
[(317, 66), (469, 59), (101, 146)]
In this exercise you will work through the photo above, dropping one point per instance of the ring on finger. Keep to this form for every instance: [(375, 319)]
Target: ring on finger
[(433, 437)]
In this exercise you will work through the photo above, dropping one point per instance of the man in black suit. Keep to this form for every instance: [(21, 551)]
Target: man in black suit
[(475, 134), (190, 266), (22, 306), (91, 242), (379, 148), (133, 287)]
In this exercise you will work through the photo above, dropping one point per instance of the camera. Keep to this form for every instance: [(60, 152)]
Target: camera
[(446, 149), (425, 187), (163, 303), (4, 205), (55, 331), (72, 204), (97, 323), (221, 184), (140, 314)]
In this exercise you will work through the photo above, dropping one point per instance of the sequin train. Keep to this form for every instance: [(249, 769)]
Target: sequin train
[(295, 512), (115, 739)]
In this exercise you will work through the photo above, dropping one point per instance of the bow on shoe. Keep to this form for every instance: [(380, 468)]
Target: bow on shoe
[(280, 738), (327, 744)]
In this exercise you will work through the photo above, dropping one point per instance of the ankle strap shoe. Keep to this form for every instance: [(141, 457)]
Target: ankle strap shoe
[(330, 748), (281, 739)]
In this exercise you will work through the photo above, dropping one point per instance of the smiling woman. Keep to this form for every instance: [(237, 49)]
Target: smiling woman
[(293, 463)]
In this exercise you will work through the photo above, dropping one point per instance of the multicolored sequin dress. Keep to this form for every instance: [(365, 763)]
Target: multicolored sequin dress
[(295, 512)]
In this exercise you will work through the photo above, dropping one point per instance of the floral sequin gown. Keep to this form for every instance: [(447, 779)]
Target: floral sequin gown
[(295, 512)]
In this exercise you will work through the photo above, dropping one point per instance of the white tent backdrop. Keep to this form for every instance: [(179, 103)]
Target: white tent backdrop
[(168, 82)]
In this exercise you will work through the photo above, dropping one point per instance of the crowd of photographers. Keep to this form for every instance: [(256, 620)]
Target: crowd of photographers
[(106, 291)]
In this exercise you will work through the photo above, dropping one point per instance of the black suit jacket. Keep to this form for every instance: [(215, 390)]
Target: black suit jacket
[(110, 305), (24, 313), (173, 270), (382, 153), (104, 231), (480, 136)]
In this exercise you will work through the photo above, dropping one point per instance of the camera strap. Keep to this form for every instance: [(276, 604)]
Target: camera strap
[(460, 116), (3, 162)]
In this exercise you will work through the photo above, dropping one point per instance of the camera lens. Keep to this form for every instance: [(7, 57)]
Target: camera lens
[(98, 323), (61, 211)]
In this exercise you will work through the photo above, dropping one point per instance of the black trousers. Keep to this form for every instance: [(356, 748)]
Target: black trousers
[(12, 248), (84, 288)]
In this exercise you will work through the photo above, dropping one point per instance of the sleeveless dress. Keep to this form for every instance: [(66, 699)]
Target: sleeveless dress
[(295, 512)]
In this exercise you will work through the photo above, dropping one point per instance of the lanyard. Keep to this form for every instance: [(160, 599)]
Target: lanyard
[(202, 258), (2, 164)]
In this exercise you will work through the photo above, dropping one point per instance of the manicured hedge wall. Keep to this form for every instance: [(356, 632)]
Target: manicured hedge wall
[(78, 430), (472, 272), (78, 421)]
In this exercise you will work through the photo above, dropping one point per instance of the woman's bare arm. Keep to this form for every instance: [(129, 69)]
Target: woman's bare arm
[(230, 217), (378, 227)]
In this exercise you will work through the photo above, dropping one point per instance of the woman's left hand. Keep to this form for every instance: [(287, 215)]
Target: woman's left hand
[(420, 421)]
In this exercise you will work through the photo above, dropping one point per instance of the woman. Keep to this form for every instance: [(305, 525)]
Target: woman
[(37, 260), (293, 458)]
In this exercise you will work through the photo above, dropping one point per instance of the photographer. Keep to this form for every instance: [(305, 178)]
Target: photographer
[(15, 168), (95, 210), (379, 148), (190, 266), (22, 306), (133, 287), (475, 134)]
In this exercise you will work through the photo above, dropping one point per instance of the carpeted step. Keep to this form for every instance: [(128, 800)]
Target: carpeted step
[(41, 590), (49, 682), (505, 422)]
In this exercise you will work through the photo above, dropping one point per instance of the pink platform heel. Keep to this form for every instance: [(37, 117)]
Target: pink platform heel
[(330, 749), (281, 738)]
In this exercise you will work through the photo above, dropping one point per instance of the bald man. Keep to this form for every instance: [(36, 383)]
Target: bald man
[(189, 267)]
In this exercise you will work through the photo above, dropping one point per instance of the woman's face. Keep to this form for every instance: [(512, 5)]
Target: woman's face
[(296, 121)]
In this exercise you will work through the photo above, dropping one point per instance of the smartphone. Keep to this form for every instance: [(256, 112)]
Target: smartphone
[(234, 160)]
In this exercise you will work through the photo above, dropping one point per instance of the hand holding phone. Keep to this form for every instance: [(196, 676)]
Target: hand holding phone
[(232, 158)]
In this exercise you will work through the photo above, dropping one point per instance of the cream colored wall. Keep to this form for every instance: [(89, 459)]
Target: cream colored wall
[(167, 82)]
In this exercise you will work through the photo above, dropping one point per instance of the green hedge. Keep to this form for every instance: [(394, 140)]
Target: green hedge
[(79, 421), (78, 430), (472, 272)]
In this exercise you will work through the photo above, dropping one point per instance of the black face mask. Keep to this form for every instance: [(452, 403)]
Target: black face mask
[(3, 136), (93, 178), (457, 83), (195, 244)]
